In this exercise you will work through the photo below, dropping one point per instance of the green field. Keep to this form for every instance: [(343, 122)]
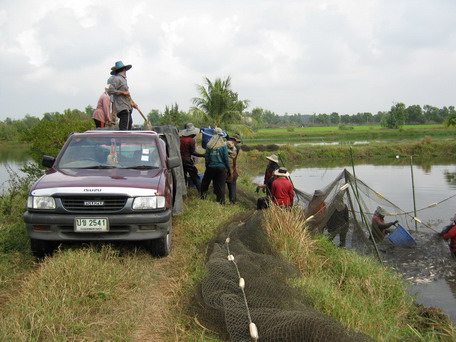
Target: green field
[(336, 128), (347, 134)]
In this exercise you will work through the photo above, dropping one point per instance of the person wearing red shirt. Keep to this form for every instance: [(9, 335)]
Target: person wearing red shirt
[(451, 235), (282, 190)]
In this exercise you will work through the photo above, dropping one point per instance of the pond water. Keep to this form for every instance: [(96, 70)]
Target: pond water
[(12, 158), (434, 282)]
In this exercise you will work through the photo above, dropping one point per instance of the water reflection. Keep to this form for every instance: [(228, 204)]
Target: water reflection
[(440, 293), (450, 177), (14, 154), (12, 158)]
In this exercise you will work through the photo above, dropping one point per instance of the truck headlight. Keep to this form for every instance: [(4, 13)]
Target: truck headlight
[(153, 202), (40, 202)]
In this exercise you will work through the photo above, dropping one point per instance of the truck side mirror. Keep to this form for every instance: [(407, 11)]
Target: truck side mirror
[(47, 161), (173, 162)]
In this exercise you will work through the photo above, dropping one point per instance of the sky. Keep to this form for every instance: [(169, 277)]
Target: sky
[(303, 56)]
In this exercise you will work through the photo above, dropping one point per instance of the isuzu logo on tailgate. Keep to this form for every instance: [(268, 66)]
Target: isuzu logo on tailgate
[(93, 203), (92, 190)]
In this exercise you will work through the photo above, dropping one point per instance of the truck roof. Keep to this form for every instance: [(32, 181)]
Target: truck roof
[(108, 132)]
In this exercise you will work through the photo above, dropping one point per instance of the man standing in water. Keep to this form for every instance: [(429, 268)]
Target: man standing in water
[(118, 87)]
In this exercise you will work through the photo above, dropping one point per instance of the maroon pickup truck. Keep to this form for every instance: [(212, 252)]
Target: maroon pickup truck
[(108, 186)]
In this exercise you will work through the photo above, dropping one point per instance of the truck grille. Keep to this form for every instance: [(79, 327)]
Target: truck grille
[(88, 203)]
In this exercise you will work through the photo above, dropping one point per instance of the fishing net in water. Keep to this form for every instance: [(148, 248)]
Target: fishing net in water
[(345, 208), (247, 296)]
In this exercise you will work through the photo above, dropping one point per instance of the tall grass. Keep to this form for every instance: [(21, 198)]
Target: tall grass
[(15, 257), (354, 289)]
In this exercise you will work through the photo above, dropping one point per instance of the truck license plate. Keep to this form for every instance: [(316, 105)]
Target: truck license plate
[(92, 224)]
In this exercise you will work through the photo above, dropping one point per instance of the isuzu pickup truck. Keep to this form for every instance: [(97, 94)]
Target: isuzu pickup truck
[(108, 185)]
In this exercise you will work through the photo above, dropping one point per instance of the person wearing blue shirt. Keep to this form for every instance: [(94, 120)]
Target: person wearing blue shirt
[(217, 166)]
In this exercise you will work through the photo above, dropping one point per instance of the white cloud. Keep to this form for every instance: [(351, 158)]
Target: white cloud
[(29, 47)]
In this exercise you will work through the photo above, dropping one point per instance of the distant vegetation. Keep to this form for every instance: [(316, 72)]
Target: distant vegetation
[(217, 104)]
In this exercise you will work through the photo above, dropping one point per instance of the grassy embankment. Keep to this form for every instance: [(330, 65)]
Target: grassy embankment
[(124, 294), (424, 150)]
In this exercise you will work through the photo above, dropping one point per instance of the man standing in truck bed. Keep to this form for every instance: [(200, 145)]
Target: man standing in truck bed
[(118, 87)]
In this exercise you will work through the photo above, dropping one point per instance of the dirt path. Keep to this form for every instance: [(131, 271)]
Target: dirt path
[(162, 308), (157, 322)]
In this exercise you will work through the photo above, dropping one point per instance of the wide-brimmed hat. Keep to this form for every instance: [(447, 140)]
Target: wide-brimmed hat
[(281, 172), (218, 131), (381, 212), (236, 138), (273, 158), (119, 66), (190, 129), (318, 193)]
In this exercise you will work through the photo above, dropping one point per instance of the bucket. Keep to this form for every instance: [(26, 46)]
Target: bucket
[(402, 238), (207, 135)]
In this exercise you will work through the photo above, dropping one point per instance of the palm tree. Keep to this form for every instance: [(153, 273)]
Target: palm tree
[(451, 121), (218, 103)]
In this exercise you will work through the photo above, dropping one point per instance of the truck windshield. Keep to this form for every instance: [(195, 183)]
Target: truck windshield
[(137, 152)]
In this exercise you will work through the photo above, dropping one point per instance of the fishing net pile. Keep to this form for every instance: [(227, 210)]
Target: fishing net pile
[(247, 296)]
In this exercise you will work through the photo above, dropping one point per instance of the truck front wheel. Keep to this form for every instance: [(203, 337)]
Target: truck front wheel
[(162, 246), (42, 248)]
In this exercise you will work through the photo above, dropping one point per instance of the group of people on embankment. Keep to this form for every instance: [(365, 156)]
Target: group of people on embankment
[(220, 160)]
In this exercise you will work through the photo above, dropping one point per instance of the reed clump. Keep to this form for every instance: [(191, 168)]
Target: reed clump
[(356, 290)]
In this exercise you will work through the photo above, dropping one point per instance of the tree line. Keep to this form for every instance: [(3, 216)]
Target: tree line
[(217, 104)]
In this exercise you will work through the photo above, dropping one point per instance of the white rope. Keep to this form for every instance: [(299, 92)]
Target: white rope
[(252, 326)]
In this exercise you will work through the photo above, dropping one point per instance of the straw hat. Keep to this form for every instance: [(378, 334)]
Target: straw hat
[(380, 212), (236, 138), (273, 158), (281, 172), (190, 129), (218, 131)]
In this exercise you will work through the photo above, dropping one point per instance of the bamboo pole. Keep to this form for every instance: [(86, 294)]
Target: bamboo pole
[(148, 124), (368, 225), (413, 193)]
